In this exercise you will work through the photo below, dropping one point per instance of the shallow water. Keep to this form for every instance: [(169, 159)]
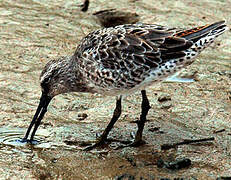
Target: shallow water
[(34, 32), (12, 137)]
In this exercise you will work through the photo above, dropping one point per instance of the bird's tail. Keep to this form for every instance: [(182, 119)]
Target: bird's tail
[(203, 36), (197, 33)]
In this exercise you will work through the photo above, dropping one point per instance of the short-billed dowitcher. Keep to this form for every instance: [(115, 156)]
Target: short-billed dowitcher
[(120, 60)]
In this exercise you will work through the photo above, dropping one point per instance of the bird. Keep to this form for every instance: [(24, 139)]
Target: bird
[(120, 60)]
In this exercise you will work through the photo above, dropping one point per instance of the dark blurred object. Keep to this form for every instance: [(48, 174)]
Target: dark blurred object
[(224, 178), (218, 131), (85, 6), (174, 165), (174, 145), (112, 17)]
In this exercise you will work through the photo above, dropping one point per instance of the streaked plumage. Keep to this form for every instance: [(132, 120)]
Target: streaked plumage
[(123, 59)]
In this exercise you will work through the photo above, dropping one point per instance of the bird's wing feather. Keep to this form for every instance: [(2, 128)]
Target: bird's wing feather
[(125, 46)]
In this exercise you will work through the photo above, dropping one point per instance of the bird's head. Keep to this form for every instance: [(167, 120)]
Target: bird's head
[(56, 78)]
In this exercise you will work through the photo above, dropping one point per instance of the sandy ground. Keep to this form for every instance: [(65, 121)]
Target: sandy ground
[(34, 32)]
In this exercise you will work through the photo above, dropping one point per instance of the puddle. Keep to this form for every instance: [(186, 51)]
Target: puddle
[(13, 137), (11, 141)]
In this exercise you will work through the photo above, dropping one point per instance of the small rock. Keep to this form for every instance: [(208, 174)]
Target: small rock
[(82, 116), (174, 165), (54, 160)]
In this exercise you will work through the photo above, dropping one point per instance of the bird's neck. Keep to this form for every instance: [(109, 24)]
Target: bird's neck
[(72, 77)]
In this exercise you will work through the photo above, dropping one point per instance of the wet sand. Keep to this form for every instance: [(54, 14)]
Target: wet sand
[(34, 32)]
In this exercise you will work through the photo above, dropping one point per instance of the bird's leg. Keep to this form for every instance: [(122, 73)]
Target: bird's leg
[(115, 117), (117, 112), (145, 106)]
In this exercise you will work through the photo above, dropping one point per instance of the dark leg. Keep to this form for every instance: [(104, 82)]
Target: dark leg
[(117, 112), (145, 106)]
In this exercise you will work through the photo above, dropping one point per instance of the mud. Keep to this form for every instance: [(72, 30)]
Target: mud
[(34, 32)]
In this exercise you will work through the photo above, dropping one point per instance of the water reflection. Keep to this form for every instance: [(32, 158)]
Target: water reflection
[(12, 137)]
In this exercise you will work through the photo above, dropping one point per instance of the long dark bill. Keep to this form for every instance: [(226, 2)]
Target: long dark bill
[(40, 112)]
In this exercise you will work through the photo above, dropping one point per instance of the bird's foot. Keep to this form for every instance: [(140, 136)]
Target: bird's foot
[(135, 143), (98, 143), (27, 141), (138, 141), (102, 141), (24, 140)]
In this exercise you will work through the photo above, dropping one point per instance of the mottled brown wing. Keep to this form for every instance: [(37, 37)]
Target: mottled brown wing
[(152, 47), (128, 52), (129, 45)]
